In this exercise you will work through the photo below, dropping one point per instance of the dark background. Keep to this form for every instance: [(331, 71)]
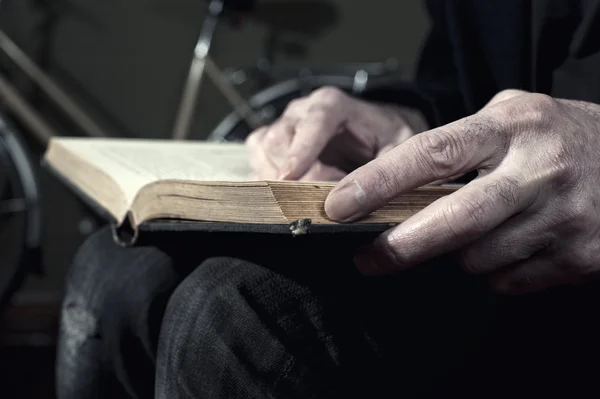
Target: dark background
[(125, 62)]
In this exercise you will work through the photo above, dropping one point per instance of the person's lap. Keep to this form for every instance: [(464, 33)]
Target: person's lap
[(107, 319), (291, 327)]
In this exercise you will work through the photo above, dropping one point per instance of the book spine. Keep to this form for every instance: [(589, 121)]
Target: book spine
[(126, 233)]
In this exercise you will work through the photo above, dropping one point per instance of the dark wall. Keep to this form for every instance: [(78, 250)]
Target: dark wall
[(126, 62)]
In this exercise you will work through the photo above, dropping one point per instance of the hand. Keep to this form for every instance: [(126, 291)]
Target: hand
[(326, 135), (531, 220)]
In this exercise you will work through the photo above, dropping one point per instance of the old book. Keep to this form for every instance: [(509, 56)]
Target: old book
[(138, 182)]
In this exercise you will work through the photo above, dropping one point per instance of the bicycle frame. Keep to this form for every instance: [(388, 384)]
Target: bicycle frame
[(201, 62)]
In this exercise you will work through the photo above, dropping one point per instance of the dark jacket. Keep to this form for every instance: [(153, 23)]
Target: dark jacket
[(479, 47)]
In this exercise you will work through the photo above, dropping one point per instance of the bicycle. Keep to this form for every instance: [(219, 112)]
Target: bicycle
[(276, 85), (20, 198), (20, 213)]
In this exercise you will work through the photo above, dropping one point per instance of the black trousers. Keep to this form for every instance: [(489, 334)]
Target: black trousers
[(172, 320)]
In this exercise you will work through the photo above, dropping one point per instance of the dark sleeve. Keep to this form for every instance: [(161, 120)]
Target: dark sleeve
[(435, 90)]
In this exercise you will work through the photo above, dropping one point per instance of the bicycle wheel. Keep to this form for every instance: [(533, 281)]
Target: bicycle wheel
[(20, 216)]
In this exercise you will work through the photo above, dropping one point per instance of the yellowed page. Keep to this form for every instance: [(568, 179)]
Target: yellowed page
[(133, 163)]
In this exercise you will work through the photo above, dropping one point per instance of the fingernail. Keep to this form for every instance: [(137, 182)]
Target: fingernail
[(288, 168), (345, 203), (366, 261)]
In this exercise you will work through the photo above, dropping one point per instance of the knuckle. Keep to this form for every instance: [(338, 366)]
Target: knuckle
[(253, 139), (272, 139), (282, 125), (325, 118), (440, 152), (318, 114), (510, 111), (532, 116), (510, 93), (394, 252), (295, 104), (539, 110), (329, 94), (542, 101), (276, 135), (506, 94)]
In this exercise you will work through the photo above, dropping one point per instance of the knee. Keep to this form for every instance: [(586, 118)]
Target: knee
[(102, 269), (222, 298), (219, 298), (108, 281), (88, 279), (92, 261), (217, 284), (223, 305)]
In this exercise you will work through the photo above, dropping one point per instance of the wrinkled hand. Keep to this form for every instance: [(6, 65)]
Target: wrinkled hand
[(326, 135), (531, 220)]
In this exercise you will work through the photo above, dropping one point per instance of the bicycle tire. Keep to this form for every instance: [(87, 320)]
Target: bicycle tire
[(22, 180)]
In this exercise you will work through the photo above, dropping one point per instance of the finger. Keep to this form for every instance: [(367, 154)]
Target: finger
[(320, 123), (514, 241), (475, 142), (296, 109), (254, 138), (261, 165), (263, 168), (529, 276), (448, 224), (253, 144), (276, 140), (322, 172)]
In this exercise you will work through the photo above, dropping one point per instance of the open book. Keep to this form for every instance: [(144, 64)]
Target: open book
[(140, 181)]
